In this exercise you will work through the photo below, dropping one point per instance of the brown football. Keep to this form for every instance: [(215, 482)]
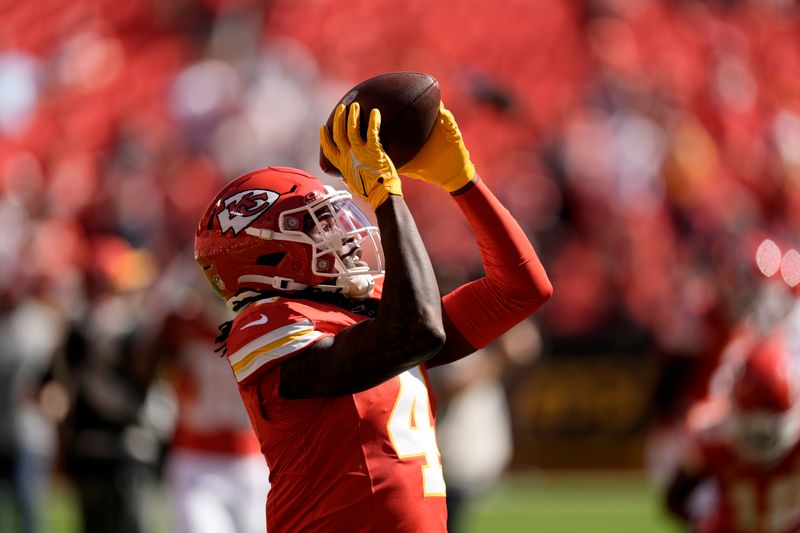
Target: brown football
[(409, 105)]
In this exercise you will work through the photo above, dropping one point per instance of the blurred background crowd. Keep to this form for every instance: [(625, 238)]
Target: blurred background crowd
[(650, 148)]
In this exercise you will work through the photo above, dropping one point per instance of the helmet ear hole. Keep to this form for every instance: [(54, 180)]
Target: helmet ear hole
[(271, 260), (325, 263)]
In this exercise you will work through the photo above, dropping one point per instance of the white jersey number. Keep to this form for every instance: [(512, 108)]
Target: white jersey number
[(782, 502), (412, 433)]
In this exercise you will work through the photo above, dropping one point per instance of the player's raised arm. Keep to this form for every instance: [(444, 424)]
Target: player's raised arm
[(408, 327), (515, 284)]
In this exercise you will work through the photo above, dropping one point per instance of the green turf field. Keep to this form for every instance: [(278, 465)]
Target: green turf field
[(551, 503), (597, 503)]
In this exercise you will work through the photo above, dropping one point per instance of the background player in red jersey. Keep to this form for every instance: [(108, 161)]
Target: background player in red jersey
[(747, 445), (331, 357), (216, 478)]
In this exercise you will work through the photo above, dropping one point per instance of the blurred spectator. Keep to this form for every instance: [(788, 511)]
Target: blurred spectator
[(32, 330), (109, 448)]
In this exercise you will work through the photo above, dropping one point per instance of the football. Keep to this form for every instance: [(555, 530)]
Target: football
[(409, 105)]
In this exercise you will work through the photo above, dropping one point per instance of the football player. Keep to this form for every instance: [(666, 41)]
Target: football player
[(746, 447), (330, 354), (216, 478)]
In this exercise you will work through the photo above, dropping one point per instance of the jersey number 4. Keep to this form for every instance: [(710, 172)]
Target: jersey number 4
[(412, 433)]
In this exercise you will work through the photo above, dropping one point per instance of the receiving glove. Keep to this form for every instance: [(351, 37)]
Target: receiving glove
[(444, 160), (367, 170)]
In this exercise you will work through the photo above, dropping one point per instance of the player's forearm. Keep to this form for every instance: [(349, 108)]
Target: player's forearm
[(515, 284), (407, 330), (410, 300)]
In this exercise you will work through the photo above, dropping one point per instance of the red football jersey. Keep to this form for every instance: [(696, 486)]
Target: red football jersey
[(362, 462), (752, 498), (211, 418)]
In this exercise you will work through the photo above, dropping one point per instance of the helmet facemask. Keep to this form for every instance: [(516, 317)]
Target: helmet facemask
[(345, 245), (765, 436)]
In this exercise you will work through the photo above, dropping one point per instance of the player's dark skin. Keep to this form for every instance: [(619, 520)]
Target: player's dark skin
[(410, 327), (679, 491)]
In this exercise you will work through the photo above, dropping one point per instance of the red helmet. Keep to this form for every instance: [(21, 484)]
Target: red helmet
[(281, 229), (765, 400)]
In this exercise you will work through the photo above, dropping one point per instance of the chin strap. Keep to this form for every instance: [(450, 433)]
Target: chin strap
[(276, 282), (357, 287)]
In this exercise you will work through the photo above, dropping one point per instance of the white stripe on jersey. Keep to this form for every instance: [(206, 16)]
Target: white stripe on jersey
[(293, 343), (269, 338), (271, 346)]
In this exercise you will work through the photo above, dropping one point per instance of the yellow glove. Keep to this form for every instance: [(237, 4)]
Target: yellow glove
[(367, 170), (444, 160)]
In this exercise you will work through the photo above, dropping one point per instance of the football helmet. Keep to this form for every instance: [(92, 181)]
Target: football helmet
[(765, 402), (280, 229)]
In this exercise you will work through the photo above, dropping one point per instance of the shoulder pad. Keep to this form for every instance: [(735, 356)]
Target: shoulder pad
[(268, 332)]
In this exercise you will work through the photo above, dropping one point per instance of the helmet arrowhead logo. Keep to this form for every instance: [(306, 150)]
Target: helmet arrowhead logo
[(243, 208)]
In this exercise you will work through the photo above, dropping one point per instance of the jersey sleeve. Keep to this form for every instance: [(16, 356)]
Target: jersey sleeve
[(267, 333), (515, 284)]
